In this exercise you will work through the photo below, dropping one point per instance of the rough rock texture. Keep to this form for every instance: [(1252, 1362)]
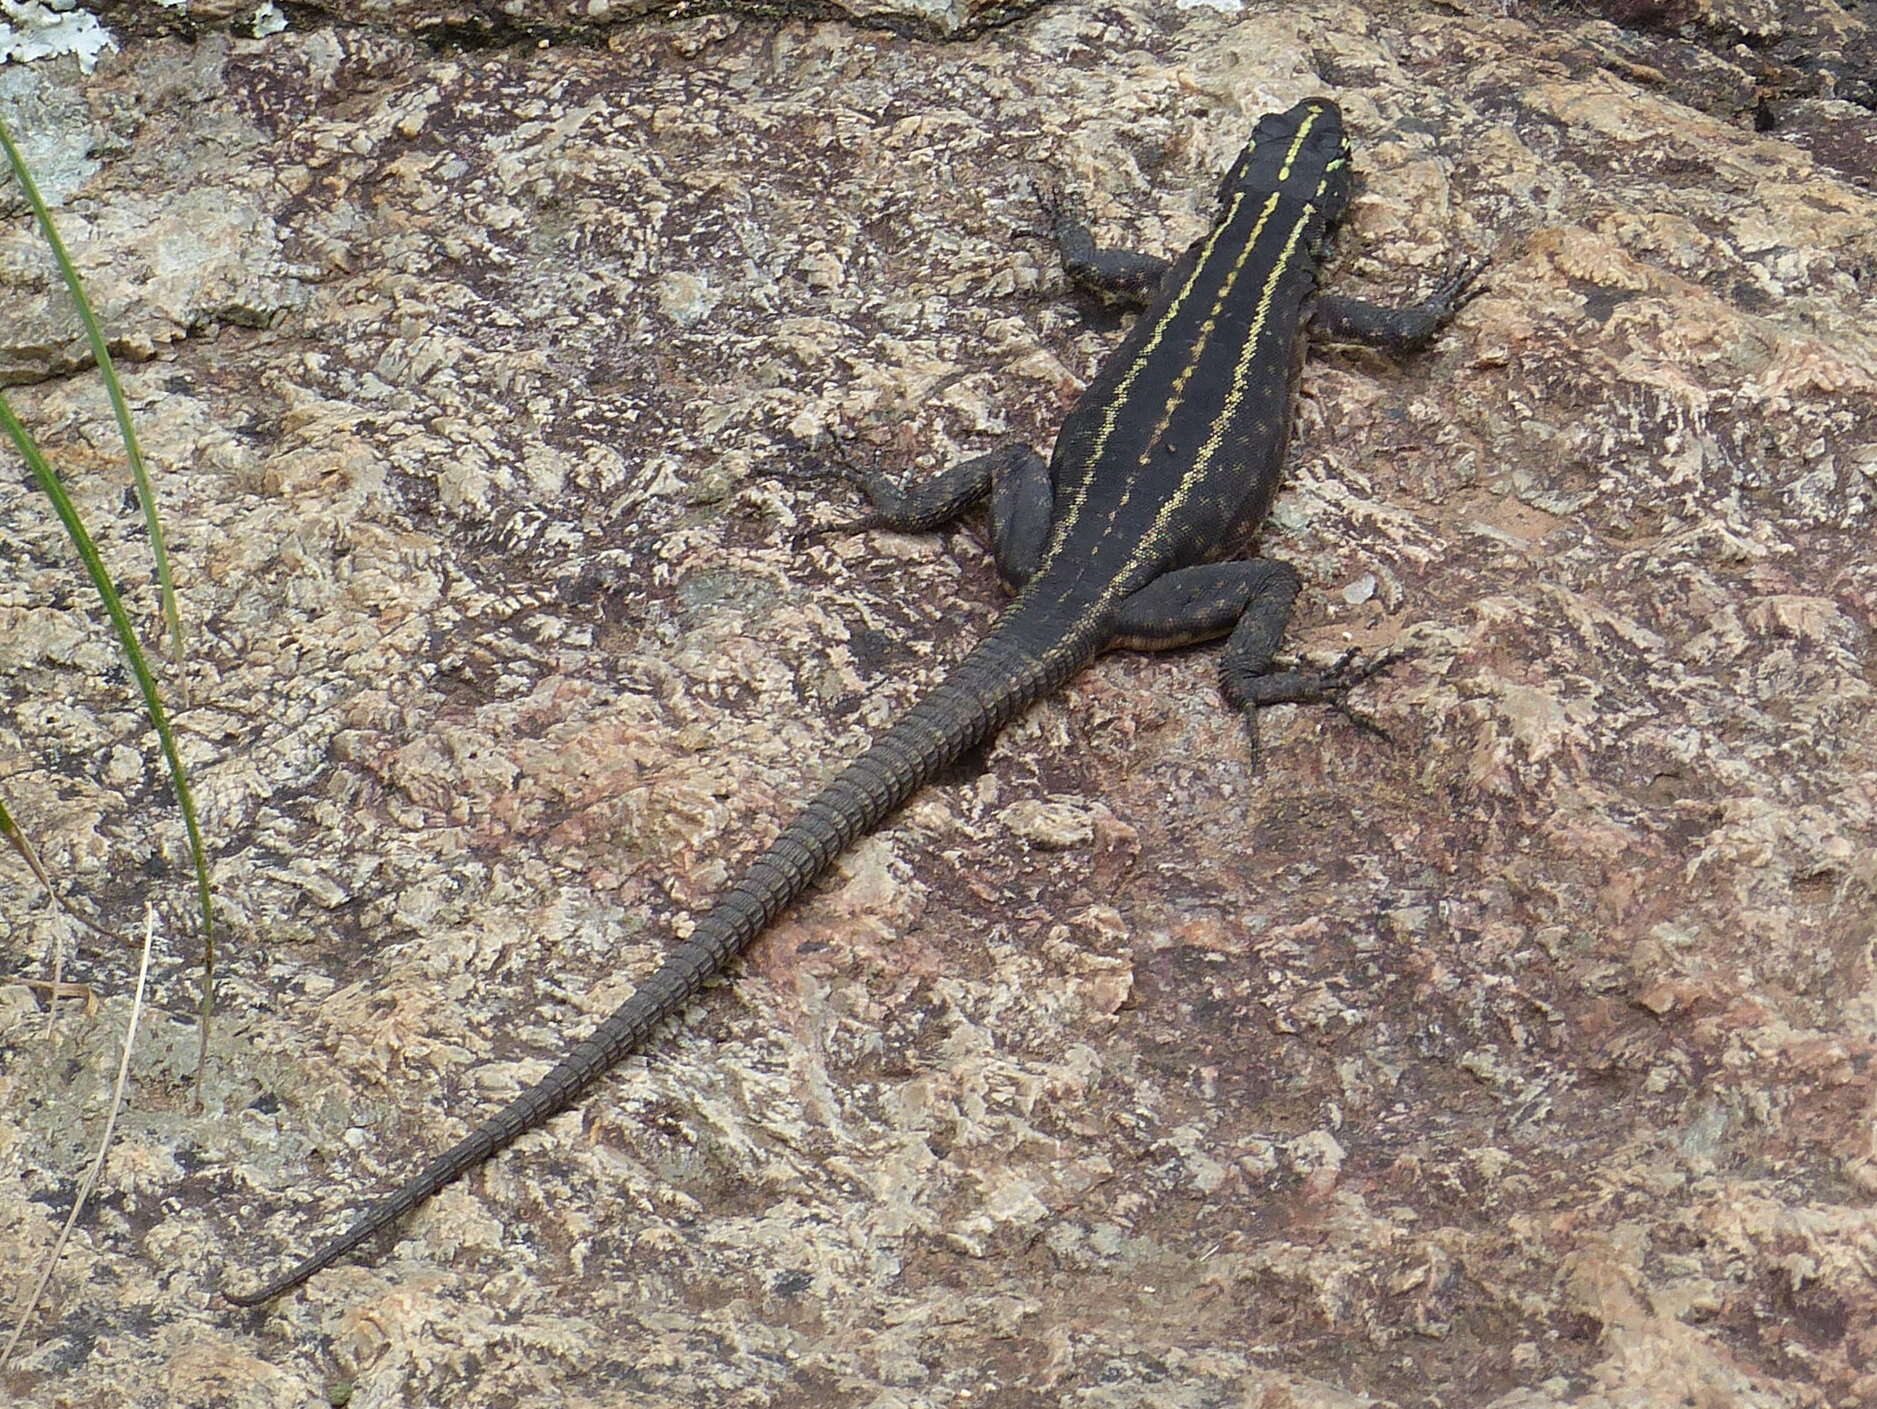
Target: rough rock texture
[(1526, 1063), (477, 24)]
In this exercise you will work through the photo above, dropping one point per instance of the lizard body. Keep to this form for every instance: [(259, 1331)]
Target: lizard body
[(1173, 448)]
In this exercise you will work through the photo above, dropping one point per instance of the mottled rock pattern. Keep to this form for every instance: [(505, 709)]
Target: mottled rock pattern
[(1525, 1063)]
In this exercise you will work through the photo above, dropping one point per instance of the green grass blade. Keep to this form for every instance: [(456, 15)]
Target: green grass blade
[(172, 616), (15, 838), (133, 654)]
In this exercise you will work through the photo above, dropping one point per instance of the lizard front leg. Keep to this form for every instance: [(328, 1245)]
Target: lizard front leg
[(1127, 277), (1015, 478), (1399, 330)]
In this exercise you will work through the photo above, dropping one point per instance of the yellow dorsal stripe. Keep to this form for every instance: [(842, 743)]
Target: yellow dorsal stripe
[(1112, 417), (1118, 405), (1195, 474), (1202, 462), (1201, 340), (1296, 143)]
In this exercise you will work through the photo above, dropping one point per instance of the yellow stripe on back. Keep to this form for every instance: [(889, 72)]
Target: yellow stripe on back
[(1118, 405), (1207, 328), (1150, 542)]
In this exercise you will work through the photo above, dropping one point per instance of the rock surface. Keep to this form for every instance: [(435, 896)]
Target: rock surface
[(1525, 1063)]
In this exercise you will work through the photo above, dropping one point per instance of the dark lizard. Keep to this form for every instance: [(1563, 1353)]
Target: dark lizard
[(1175, 447)]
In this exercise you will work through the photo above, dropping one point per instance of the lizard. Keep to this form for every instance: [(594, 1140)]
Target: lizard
[(1174, 448)]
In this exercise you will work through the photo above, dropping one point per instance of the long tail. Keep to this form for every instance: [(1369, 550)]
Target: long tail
[(989, 687)]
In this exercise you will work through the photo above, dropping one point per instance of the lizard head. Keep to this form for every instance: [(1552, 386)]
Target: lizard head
[(1302, 153)]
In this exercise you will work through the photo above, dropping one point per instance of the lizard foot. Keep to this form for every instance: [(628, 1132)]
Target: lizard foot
[(1458, 287), (812, 470), (1328, 685)]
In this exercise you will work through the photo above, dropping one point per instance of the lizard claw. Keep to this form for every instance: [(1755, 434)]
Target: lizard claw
[(1344, 674), (1457, 287), (811, 469), (1328, 685), (1059, 208)]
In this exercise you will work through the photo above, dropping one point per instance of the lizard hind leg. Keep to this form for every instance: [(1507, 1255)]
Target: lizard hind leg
[(1250, 600), (1023, 505)]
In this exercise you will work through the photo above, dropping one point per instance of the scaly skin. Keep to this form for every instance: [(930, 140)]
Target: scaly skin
[(1175, 447)]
